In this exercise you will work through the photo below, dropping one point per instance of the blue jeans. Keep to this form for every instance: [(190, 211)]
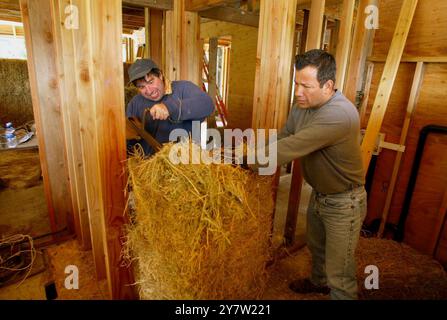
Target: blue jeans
[(333, 229)]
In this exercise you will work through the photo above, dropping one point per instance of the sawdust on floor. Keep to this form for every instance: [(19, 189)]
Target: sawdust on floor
[(70, 254)]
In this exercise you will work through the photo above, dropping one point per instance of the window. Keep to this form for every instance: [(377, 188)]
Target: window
[(12, 40)]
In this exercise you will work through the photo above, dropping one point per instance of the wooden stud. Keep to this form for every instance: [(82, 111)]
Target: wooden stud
[(153, 4), (147, 32), (334, 38), (65, 49), (303, 38), (344, 43), (361, 42), (156, 36), (323, 31), (200, 5), (183, 55), (212, 70), (232, 15), (86, 64), (315, 25), (274, 63), (412, 102), (294, 202), (46, 99), (387, 80), (364, 104), (405, 58)]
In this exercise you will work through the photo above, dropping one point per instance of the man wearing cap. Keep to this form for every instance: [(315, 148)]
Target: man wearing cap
[(162, 105)]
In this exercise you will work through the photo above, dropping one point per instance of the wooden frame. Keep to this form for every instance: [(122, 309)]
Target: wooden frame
[(412, 102), (387, 80)]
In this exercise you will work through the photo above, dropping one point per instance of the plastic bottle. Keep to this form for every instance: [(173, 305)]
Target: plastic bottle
[(11, 140), (9, 128)]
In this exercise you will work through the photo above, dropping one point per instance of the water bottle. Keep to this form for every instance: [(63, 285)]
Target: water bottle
[(11, 140), (9, 128)]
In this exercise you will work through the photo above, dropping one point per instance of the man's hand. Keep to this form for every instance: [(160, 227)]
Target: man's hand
[(159, 111)]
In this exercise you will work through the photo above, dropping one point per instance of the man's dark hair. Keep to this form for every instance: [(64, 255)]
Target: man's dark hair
[(321, 60)]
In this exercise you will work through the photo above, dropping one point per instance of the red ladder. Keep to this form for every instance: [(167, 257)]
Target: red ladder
[(220, 105)]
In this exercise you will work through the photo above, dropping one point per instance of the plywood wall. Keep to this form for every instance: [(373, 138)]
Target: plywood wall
[(425, 39), (242, 68)]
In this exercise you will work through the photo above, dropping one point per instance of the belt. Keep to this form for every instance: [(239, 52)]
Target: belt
[(351, 187)]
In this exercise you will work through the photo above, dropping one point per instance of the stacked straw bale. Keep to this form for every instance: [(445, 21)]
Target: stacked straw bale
[(198, 231)]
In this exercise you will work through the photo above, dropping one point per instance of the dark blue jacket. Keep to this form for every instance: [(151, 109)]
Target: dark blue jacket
[(186, 103)]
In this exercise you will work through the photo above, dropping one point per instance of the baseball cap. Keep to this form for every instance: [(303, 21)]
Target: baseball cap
[(140, 68)]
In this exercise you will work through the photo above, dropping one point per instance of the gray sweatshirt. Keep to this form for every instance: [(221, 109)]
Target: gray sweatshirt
[(327, 141)]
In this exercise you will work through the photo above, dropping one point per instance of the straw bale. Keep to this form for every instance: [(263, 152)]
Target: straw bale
[(199, 231), (15, 94)]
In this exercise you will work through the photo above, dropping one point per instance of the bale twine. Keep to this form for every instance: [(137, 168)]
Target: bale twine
[(198, 231)]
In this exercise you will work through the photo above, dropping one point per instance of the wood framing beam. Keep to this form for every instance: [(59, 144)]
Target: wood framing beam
[(366, 90), (274, 62), (48, 115), (232, 15), (147, 33), (334, 38), (183, 52), (361, 43), (84, 66), (190, 5), (200, 5), (155, 4), (156, 36), (387, 80), (433, 59), (344, 43), (303, 38), (212, 71), (412, 102), (315, 25), (294, 203)]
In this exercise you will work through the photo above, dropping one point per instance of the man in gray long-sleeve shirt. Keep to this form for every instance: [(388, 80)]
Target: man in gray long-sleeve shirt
[(323, 131)]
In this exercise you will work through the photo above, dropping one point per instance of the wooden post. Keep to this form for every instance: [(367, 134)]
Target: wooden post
[(183, 52), (274, 63), (315, 24), (212, 69), (344, 43), (156, 36), (387, 80), (412, 101), (294, 203), (334, 38), (66, 66), (303, 38), (147, 32), (364, 103), (84, 57), (359, 51), (323, 31), (48, 114)]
